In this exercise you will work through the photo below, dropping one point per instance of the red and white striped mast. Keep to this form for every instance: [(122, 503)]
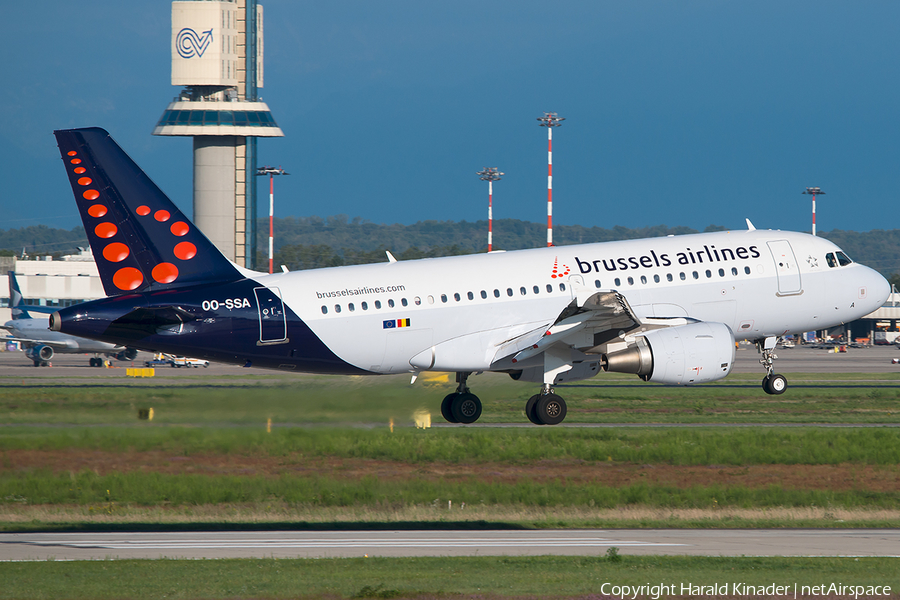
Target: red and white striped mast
[(550, 120), (813, 191), (490, 174), (271, 172)]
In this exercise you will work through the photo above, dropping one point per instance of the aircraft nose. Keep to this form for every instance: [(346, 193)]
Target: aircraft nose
[(879, 288)]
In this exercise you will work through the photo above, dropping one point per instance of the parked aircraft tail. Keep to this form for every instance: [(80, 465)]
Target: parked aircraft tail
[(141, 241)]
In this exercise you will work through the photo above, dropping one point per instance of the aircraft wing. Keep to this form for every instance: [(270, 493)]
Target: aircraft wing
[(34, 341), (590, 323)]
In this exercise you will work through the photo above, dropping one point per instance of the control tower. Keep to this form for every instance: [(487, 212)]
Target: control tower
[(217, 55)]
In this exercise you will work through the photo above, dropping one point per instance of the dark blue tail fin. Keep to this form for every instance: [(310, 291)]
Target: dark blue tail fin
[(17, 305), (139, 238)]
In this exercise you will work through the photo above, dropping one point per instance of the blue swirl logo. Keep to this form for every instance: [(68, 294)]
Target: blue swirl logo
[(189, 44)]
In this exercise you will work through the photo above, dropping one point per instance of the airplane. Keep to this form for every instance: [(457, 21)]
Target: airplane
[(41, 344), (668, 310)]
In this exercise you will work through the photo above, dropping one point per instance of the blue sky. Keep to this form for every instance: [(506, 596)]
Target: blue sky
[(678, 113)]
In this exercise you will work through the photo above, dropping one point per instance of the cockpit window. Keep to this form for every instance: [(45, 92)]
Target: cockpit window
[(830, 259), (843, 259)]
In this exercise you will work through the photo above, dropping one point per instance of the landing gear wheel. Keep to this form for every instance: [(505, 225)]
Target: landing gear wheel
[(529, 409), (465, 408), (550, 409), (445, 408), (774, 384)]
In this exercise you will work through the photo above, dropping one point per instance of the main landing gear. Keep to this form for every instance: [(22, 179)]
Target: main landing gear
[(462, 406), (546, 408), (772, 383)]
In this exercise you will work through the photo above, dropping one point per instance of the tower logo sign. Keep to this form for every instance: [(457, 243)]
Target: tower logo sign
[(190, 44)]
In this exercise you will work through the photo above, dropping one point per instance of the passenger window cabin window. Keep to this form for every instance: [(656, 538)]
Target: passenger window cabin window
[(537, 290), (378, 304), (417, 301), (470, 296), (656, 279), (747, 270), (365, 305), (549, 288), (708, 273), (683, 276), (696, 275), (643, 279), (351, 307), (734, 271), (843, 259), (523, 291), (562, 287), (597, 283), (456, 297), (509, 292), (337, 308), (483, 294), (444, 298), (829, 258), (631, 281), (496, 293), (618, 282), (324, 310), (391, 303), (669, 277), (430, 299), (403, 302)]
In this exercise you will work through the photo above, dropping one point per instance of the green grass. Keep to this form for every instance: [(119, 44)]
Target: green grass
[(148, 489), (658, 445), (308, 399), (545, 577)]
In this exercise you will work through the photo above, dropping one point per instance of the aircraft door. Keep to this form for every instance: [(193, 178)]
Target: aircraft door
[(786, 267), (272, 323)]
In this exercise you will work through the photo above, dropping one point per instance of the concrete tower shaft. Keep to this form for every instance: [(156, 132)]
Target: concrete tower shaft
[(217, 56)]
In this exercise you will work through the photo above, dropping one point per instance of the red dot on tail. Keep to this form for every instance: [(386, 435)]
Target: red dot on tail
[(179, 228), (143, 210), (91, 194), (80, 170), (165, 272), (71, 153), (116, 252), (85, 181), (185, 250), (128, 278), (106, 230), (97, 211), (75, 161), (161, 215)]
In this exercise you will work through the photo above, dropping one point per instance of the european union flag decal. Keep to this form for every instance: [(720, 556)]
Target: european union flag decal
[(395, 323)]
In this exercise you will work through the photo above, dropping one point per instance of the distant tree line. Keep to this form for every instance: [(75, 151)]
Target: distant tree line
[(314, 242)]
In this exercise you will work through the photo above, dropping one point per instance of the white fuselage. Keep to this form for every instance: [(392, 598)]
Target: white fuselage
[(456, 313)]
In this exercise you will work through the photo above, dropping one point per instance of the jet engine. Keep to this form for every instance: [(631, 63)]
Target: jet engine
[(39, 353), (683, 355), (127, 354)]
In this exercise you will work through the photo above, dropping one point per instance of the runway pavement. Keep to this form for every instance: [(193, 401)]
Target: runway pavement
[(321, 544)]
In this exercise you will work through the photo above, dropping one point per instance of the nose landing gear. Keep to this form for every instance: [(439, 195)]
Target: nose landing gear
[(772, 383)]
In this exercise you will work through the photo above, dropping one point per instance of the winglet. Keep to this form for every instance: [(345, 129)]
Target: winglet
[(390, 256), (141, 241), (750, 226)]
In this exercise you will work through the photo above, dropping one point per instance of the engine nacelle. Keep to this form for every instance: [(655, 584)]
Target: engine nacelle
[(683, 355), (127, 354), (39, 352)]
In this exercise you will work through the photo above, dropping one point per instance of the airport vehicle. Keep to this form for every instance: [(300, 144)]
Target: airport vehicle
[(159, 360), (668, 310), (182, 361), (41, 344)]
